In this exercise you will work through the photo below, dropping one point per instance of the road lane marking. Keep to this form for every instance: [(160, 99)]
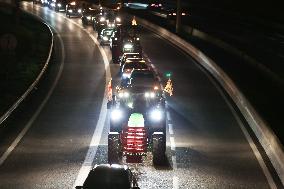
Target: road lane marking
[(173, 145), (38, 111), (169, 116), (95, 142), (251, 143), (175, 182), (256, 152), (171, 129)]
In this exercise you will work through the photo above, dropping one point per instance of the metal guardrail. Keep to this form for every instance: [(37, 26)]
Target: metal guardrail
[(265, 135), (32, 86)]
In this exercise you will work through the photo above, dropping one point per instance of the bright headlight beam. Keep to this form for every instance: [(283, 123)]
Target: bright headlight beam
[(102, 19), (128, 46), (116, 114), (156, 115), (147, 95), (126, 95)]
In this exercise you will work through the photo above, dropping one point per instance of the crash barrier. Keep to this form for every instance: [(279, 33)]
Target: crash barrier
[(265, 135), (229, 48), (32, 86)]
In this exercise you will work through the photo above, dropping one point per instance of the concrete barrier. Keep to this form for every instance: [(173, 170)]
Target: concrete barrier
[(265, 135), (32, 86)]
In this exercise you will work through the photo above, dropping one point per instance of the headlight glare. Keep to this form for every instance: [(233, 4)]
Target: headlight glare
[(149, 95), (128, 46), (156, 115), (116, 114), (102, 19)]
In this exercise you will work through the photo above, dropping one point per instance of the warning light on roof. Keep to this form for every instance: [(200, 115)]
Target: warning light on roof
[(169, 87), (134, 23), (168, 74)]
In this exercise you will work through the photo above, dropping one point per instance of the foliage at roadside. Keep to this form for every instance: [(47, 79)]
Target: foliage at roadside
[(24, 47)]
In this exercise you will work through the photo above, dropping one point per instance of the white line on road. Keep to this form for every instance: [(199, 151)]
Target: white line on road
[(175, 182), (173, 145), (93, 146), (260, 160), (34, 117), (173, 149), (88, 162), (169, 116), (171, 129)]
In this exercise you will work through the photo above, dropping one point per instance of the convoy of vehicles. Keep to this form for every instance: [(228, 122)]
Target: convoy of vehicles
[(137, 106)]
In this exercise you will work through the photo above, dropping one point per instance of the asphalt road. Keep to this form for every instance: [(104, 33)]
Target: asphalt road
[(206, 145)]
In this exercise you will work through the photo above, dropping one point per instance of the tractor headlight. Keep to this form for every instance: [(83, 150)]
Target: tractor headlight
[(128, 46), (79, 10), (59, 5), (123, 95), (89, 18), (156, 115), (102, 19), (116, 114), (110, 25), (149, 95), (118, 19), (70, 10), (105, 38)]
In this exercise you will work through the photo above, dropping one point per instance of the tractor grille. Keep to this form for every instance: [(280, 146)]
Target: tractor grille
[(134, 140)]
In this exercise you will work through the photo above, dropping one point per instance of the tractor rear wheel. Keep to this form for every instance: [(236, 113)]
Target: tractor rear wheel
[(159, 147)]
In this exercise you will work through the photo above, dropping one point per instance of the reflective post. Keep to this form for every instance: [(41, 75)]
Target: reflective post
[(178, 17)]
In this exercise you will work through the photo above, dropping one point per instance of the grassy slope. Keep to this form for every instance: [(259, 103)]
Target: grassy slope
[(19, 67)]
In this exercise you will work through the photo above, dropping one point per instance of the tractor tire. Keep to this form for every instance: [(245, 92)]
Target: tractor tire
[(159, 147), (114, 148)]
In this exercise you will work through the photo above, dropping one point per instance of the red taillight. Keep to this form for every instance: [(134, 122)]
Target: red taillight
[(134, 140)]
